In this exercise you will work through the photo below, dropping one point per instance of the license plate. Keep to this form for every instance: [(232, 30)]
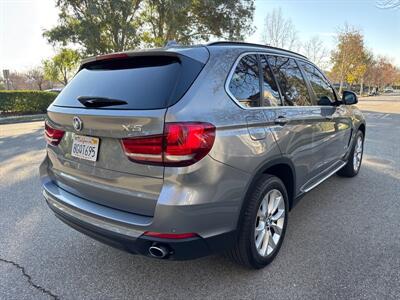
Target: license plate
[(85, 147)]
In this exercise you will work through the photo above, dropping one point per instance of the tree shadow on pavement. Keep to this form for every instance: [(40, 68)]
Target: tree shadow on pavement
[(21, 143)]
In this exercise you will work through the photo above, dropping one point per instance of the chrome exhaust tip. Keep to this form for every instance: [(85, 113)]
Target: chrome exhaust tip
[(158, 251)]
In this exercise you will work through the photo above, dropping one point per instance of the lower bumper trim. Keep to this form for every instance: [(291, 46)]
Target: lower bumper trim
[(57, 206)]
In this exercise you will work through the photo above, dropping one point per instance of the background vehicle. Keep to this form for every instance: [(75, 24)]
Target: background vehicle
[(181, 152), (388, 90)]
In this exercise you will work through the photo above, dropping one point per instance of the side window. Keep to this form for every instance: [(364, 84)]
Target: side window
[(290, 80), (245, 82), (270, 89), (321, 87)]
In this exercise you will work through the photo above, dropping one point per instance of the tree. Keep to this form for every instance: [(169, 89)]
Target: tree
[(99, 26), (18, 81), (386, 72), (189, 21), (279, 32), (349, 58), (36, 76), (316, 52), (102, 26), (370, 76), (62, 66)]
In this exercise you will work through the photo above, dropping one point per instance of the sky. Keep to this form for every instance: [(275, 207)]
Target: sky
[(22, 23)]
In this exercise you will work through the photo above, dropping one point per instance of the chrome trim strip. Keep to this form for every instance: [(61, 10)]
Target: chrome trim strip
[(228, 79), (305, 190)]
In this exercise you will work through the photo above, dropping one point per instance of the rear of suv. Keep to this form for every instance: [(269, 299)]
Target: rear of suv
[(181, 152)]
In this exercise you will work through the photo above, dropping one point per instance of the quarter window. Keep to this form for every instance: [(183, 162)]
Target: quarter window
[(270, 89), (290, 80), (245, 82), (322, 89)]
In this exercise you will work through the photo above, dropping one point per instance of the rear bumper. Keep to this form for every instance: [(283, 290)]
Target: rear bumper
[(125, 230)]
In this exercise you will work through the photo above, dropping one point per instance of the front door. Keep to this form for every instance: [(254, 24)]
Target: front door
[(334, 131)]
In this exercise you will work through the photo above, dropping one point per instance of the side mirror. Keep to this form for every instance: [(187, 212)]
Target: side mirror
[(349, 98)]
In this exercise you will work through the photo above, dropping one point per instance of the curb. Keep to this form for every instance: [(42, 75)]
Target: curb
[(22, 119)]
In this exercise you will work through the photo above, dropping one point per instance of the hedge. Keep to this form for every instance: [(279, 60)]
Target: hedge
[(25, 102)]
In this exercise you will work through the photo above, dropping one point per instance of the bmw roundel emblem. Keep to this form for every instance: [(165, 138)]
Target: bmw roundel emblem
[(78, 124)]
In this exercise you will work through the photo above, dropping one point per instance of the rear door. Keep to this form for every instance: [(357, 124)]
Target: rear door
[(114, 99), (293, 123)]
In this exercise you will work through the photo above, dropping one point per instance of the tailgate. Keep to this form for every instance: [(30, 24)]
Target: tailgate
[(112, 180), (114, 99)]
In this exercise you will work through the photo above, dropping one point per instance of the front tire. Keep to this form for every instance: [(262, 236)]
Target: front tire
[(263, 224), (353, 165)]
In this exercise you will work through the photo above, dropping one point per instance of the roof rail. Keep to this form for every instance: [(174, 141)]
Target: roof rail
[(227, 43)]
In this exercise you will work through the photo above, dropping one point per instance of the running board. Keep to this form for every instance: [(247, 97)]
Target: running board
[(306, 188)]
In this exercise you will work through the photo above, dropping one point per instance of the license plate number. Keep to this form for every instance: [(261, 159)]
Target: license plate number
[(85, 147)]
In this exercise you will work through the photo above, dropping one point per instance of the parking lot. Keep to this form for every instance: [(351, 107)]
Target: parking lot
[(343, 238)]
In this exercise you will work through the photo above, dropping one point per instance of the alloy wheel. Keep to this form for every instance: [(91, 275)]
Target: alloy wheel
[(358, 154), (269, 222)]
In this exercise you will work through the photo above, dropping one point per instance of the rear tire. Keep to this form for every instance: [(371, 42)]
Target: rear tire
[(263, 225), (353, 165)]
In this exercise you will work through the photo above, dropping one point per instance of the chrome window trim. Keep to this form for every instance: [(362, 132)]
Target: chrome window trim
[(230, 75), (233, 68)]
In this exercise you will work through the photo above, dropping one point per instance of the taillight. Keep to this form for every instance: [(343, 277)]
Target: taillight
[(53, 136), (182, 144), (144, 149)]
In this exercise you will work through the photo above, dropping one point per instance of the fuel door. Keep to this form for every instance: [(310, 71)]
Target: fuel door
[(256, 125)]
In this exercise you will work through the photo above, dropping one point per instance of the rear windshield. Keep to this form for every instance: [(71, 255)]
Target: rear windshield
[(144, 82)]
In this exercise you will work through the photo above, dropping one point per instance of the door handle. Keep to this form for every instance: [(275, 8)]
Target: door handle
[(281, 120)]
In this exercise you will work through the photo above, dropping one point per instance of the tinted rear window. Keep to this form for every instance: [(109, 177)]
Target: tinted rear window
[(144, 82)]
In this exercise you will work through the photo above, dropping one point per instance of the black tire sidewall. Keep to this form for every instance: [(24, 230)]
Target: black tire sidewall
[(350, 166), (348, 169)]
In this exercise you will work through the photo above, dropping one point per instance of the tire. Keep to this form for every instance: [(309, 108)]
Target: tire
[(353, 165), (245, 251)]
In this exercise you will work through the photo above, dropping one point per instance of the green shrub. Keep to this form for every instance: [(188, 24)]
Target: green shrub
[(25, 102)]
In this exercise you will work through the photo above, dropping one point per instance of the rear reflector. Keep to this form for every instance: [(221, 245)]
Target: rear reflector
[(53, 136), (175, 236), (182, 144)]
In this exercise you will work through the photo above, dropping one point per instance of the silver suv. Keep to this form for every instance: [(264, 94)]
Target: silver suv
[(181, 152)]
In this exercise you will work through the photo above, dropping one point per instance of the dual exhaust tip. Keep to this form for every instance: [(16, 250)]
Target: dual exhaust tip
[(159, 251)]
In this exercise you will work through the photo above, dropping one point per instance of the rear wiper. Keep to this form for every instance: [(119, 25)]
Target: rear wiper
[(94, 101)]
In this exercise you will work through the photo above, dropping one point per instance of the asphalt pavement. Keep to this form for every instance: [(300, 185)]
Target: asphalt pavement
[(342, 241)]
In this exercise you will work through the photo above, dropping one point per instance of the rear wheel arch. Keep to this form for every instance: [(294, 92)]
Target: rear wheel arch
[(286, 173), (282, 168)]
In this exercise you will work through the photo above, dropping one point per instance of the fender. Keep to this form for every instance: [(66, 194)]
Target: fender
[(277, 160), (361, 126)]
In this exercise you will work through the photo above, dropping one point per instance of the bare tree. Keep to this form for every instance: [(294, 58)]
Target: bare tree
[(36, 76), (315, 50), (279, 32), (388, 4), (18, 81)]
